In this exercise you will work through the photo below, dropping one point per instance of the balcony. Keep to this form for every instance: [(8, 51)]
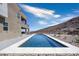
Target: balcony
[(3, 10), (24, 22)]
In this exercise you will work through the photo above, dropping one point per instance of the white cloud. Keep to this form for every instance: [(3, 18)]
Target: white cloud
[(57, 16), (64, 19), (42, 23), (61, 20), (75, 10), (39, 12)]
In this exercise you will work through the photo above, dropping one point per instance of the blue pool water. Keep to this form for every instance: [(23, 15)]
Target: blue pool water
[(41, 40)]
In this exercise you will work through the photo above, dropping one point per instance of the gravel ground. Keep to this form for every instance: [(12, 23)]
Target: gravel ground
[(72, 39)]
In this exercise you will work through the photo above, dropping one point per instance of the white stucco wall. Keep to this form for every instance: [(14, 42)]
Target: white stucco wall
[(3, 9)]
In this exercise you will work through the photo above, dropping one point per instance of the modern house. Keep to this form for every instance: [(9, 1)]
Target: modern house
[(13, 22)]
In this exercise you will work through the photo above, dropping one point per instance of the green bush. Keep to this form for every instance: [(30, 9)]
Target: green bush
[(77, 39)]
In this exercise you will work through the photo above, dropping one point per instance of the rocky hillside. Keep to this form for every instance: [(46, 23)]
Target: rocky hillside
[(68, 27)]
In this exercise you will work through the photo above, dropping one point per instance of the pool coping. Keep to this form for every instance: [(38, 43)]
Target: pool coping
[(18, 50)]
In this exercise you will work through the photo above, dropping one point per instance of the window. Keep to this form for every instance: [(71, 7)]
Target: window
[(23, 30), (2, 19), (5, 26)]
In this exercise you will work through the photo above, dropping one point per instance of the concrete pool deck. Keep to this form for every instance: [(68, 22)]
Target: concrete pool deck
[(40, 50)]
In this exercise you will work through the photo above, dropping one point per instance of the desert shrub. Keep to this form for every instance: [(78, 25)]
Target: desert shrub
[(77, 39)]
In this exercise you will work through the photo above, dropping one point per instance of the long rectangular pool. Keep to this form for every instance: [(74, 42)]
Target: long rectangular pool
[(41, 40)]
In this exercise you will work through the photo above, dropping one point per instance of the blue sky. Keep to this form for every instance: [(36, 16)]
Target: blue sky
[(42, 15)]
